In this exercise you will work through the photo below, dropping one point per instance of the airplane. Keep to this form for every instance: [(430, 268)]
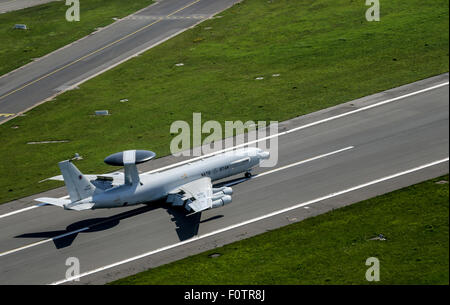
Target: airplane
[(189, 185)]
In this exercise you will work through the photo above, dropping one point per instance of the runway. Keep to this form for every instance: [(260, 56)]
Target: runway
[(327, 160), (68, 67)]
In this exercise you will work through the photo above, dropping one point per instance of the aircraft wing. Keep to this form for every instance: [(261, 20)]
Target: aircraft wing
[(197, 194)]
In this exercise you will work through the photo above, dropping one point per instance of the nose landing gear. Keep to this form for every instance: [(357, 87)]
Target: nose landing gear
[(248, 175)]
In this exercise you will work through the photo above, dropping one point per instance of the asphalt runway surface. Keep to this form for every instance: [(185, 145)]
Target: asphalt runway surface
[(328, 159), (66, 68), (14, 5)]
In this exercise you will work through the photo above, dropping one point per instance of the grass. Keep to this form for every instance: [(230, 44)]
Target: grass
[(324, 50), (49, 30), (332, 248)]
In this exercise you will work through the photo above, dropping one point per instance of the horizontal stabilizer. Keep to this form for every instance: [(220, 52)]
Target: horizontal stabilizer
[(53, 201), (117, 178), (56, 178), (80, 206), (66, 203), (61, 178)]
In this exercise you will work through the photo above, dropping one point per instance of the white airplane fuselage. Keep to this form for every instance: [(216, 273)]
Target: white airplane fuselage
[(156, 186)]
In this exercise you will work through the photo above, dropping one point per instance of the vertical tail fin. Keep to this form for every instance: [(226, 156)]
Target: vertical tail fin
[(78, 186)]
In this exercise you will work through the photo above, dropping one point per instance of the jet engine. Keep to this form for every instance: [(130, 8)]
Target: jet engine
[(220, 201), (226, 190), (221, 196)]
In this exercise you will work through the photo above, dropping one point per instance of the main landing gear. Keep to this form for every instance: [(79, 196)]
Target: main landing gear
[(248, 175)]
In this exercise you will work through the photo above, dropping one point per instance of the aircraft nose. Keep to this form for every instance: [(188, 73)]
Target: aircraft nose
[(264, 155)]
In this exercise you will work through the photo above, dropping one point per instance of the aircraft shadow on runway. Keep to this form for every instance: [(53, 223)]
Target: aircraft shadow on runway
[(187, 224), (64, 238)]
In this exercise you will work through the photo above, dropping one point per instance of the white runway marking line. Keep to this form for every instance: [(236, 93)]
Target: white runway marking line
[(86, 228), (253, 220), (26, 209), (301, 162), (281, 134), (18, 211)]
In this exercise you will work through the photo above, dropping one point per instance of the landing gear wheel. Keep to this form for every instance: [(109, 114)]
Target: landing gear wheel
[(248, 175)]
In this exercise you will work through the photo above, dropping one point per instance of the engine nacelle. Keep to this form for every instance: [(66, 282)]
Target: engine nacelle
[(224, 190), (223, 200)]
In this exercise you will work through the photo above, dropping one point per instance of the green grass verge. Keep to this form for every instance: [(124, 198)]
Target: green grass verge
[(324, 50), (332, 248), (49, 30)]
